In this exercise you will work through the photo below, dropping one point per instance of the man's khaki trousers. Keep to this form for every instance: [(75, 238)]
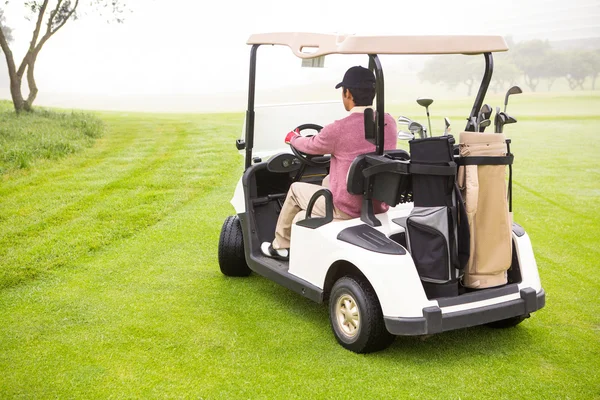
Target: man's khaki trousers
[(294, 208)]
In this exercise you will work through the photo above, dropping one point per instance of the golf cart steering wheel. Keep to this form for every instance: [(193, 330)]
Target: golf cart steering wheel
[(308, 159)]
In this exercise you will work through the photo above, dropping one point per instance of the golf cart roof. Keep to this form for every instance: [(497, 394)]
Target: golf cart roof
[(310, 45)]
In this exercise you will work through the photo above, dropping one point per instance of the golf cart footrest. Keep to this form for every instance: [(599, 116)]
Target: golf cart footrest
[(434, 321), (370, 239)]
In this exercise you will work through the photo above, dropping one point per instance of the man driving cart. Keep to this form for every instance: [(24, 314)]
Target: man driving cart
[(344, 140)]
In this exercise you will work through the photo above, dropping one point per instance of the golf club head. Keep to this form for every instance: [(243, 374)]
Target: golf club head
[(416, 128), (486, 110), (474, 123), (447, 122), (405, 135), (512, 90), (424, 102), (484, 124), (404, 120), (497, 119), (501, 122), (509, 120)]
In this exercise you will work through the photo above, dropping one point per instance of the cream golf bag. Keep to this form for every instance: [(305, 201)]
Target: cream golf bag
[(482, 181)]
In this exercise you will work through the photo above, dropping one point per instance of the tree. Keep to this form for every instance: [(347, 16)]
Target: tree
[(49, 19), (532, 58), (578, 68), (592, 58), (554, 65), (452, 71), (8, 33), (505, 72)]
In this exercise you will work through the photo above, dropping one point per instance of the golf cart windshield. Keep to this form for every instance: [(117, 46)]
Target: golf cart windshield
[(272, 122)]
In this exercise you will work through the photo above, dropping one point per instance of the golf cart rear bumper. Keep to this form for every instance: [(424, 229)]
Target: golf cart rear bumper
[(433, 321)]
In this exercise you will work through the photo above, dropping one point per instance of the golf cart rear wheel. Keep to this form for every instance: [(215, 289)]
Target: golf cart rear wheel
[(508, 323), (356, 317), (232, 260)]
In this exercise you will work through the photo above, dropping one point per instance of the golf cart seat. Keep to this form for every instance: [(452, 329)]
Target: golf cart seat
[(384, 178)]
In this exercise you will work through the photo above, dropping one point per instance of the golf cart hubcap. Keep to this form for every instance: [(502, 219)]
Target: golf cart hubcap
[(347, 315)]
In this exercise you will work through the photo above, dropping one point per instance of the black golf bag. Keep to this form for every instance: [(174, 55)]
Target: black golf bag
[(437, 231)]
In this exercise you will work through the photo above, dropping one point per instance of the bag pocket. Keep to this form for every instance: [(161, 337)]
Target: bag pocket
[(428, 241)]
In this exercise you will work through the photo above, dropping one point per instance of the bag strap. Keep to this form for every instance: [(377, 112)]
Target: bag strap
[(486, 160), (463, 232)]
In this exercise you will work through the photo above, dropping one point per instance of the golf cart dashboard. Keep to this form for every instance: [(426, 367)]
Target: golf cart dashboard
[(284, 163)]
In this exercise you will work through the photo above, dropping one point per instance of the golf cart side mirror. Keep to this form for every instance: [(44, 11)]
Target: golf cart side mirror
[(240, 144), (405, 135)]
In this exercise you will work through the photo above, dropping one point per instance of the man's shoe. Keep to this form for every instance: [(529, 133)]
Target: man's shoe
[(268, 250)]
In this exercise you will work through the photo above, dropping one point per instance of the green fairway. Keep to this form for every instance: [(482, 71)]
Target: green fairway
[(110, 286)]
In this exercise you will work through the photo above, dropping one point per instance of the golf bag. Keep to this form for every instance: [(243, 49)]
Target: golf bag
[(437, 233), (482, 181)]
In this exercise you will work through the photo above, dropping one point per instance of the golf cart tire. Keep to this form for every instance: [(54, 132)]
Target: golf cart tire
[(371, 334), (508, 323), (232, 259)]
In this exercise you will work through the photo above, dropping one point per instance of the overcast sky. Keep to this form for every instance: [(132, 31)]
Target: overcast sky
[(172, 47)]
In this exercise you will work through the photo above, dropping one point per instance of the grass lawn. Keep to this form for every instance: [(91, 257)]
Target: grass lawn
[(110, 288), (44, 134)]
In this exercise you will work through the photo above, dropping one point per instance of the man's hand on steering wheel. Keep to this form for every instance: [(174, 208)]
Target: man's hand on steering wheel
[(291, 134), (307, 159)]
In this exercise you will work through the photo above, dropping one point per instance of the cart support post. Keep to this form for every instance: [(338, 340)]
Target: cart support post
[(375, 64), (249, 135), (485, 83)]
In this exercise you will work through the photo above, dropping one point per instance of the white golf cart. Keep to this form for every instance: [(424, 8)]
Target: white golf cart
[(398, 273)]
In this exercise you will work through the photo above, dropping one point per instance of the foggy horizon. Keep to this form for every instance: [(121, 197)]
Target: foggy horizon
[(179, 56)]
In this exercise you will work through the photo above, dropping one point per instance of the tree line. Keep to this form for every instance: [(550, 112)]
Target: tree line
[(533, 61)]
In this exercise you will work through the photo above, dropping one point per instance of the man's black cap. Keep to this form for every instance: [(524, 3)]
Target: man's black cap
[(357, 78)]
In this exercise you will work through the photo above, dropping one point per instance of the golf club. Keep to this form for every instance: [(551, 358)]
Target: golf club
[(474, 123), (417, 128), (402, 134), (509, 120), (405, 135), (497, 120), (426, 103), (484, 124), (446, 126), (484, 113), (504, 119), (404, 120), (512, 90)]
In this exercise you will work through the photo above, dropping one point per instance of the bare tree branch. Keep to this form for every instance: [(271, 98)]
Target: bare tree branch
[(38, 25), (64, 21), (7, 53), (49, 30), (32, 44)]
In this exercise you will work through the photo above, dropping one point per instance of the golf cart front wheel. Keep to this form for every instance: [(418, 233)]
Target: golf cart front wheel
[(356, 317), (232, 259)]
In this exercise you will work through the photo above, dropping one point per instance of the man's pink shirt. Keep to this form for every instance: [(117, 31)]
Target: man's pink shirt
[(345, 140)]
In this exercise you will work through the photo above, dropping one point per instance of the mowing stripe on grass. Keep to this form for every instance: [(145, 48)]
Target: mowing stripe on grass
[(139, 308)]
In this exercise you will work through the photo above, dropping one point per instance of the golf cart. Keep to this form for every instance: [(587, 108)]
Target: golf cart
[(435, 261)]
